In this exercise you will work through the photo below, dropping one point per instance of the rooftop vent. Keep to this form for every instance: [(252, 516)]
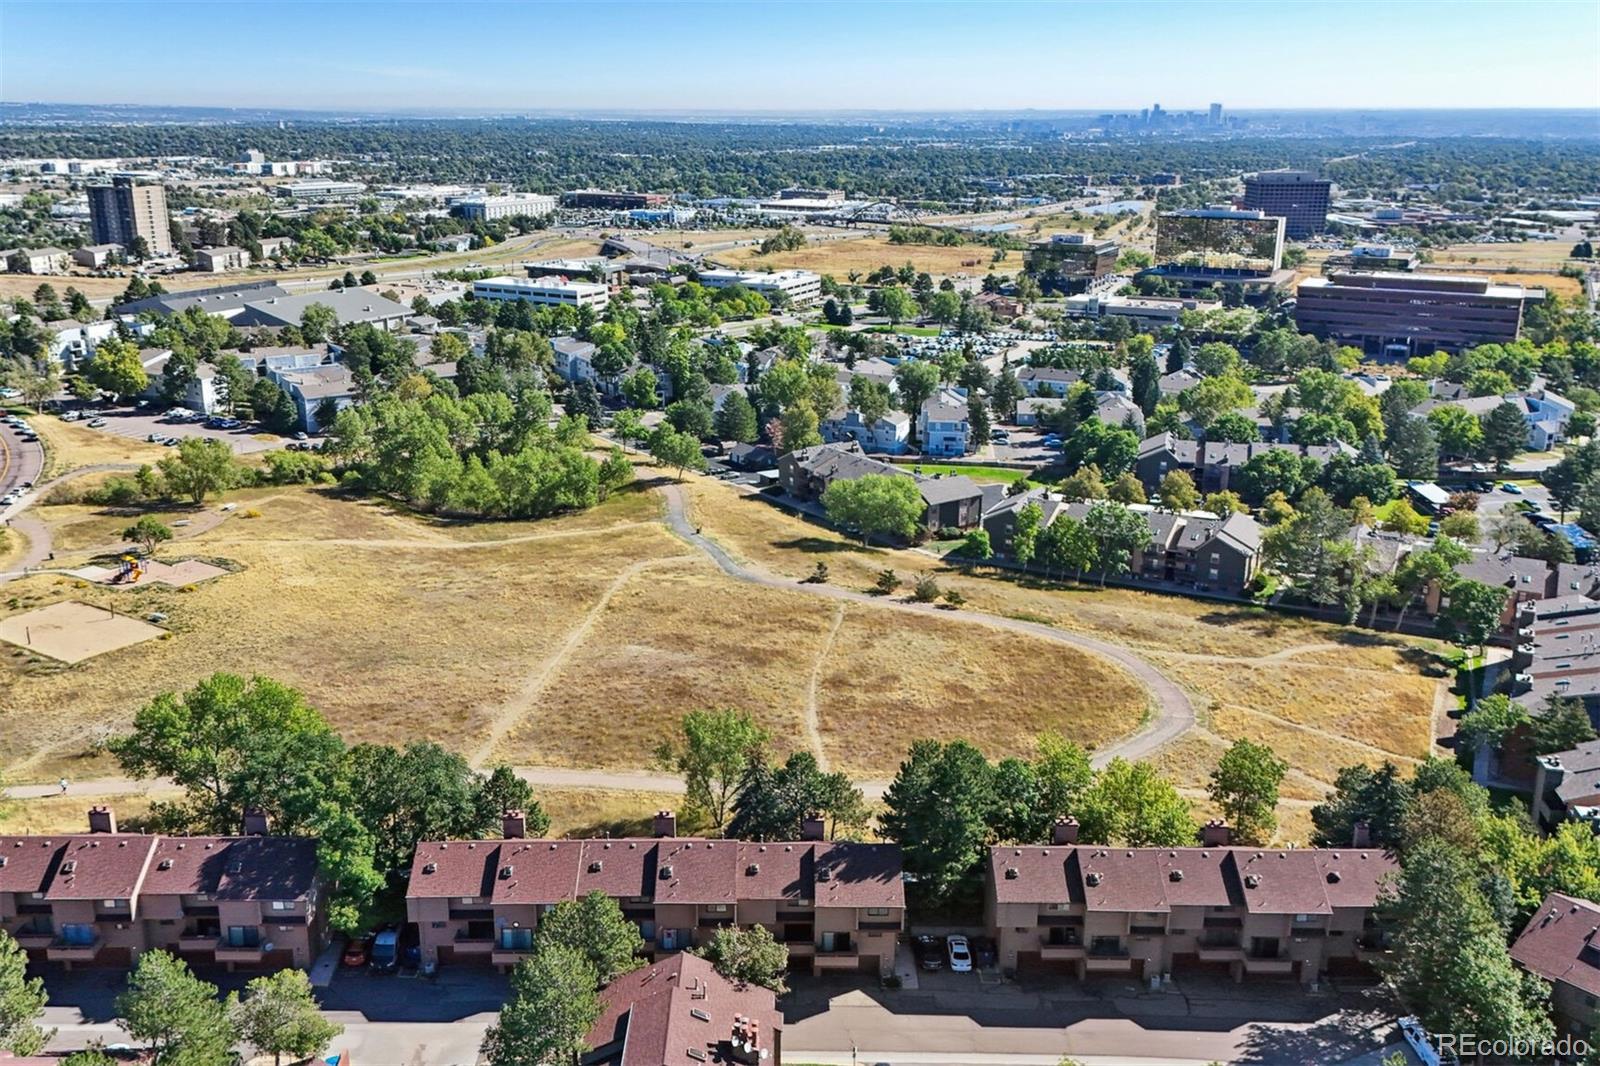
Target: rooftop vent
[(505, 872), (753, 869), (1175, 875), (1333, 877), (1252, 880), (696, 1054), (69, 866), (666, 873), (1093, 879), (824, 874), (594, 867), (164, 864), (1011, 873), (696, 1012), (430, 868)]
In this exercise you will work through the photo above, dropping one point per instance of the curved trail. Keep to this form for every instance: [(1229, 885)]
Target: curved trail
[(1173, 715)]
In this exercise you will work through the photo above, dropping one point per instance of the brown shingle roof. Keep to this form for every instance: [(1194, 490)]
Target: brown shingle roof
[(1562, 942), (26, 862), (656, 1014), (1121, 879), (696, 871), (100, 866), (1281, 882), (445, 868), (535, 871), (858, 875), (626, 868)]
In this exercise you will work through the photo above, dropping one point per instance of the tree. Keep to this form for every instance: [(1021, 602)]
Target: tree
[(1414, 448), (1505, 434), (1111, 448), (639, 388), (1005, 394), (680, 450), (1062, 773), (1084, 484), (895, 304), (1473, 613), (1245, 787), (916, 381), (1562, 726), (1223, 503), (1233, 428), (691, 417), (1127, 489), (976, 545), (117, 368), (881, 505), (737, 419), (1460, 433), (774, 801), (978, 425), (1025, 532), (1451, 966), (1303, 548), (1215, 359), (22, 1000), (1118, 532), (748, 956), (800, 426), (937, 810), (552, 1007), (147, 532), (593, 926), (1277, 470), (1403, 518), (202, 467), (1461, 525), (317, 323), (1488, 723), (1361, 794), (711, 756), (278, 1017), (1212, 398), (1129, 804), (943, 307), (176, 1013)]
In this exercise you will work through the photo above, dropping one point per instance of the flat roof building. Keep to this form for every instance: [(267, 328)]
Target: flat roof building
[(1068, 262), (490, 208), (553, 292), (1220, 239), (612, 199), (349, 306), (319, 190), (1299, 197), (800, 286), (123, 212), (1422, 313)]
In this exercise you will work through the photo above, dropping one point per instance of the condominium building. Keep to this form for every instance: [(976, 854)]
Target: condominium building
[(104, 897), (1144, 912), (1220, 239), (555, 292), (1388, 311), (802, 287), (1299, 197), (836, 906), (123, 212), (1561, 944), (490, 208), (221, 260)]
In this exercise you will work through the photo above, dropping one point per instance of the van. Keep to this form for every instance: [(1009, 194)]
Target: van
[(385, 950)]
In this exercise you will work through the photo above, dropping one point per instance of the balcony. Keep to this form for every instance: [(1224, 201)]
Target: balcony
[(503, 956), (800, 949), (845, 959), (61, 950), (470, 944), (714, 921), (1268, 964), (33, 939), (1219, 950), (246, 953), (1060, 952), (878, 927), (197, 940)]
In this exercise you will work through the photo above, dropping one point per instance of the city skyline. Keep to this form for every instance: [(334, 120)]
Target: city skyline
[(785, 57)]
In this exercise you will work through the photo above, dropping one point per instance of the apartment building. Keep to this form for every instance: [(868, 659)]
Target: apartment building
[(221, 260), (1212, 464), (1142, 912), (551, 292), (942, 425), (103, 898), (802, 287), (953, 502), (680, 1012), (123, 212), (837, 906), (1567, 785), (1561, 944)]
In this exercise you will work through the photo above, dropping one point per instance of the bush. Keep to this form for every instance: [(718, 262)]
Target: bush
[(926, 589), (819, 576), (886, 584), (953, 598), (115, 492)]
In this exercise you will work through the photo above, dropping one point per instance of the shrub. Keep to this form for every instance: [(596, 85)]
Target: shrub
[(926, 589), (954, 598), (819, 576), (887, 582)]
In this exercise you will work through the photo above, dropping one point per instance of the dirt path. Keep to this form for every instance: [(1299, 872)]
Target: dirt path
[(41, 545), (511, 713), (813, 725), (1173, 712)]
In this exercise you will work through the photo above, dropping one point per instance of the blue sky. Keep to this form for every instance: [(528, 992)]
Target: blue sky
[(780, 55)]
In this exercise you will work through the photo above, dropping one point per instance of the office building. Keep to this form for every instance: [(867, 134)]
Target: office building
[(608, 199), (1069, 263), (1369, 257), (123, 212), (320, 190), (554, 292), (1298, 197), (1215, 115), (800, 286), (1408, 314), (489, 208), (1221, 239)]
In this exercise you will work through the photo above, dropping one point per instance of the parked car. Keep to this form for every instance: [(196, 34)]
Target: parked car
[(960, 954), (301, 435), (928, 953), (356, 952), (96, 423), (385, 951), (1515, 490)]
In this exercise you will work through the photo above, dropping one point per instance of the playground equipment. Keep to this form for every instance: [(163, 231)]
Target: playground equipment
[(131, 570)]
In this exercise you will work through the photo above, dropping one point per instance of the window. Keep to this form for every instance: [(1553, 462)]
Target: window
[(717, 908), (282, 905), (111, 904), (877, 912), (469, 899), (77, 935), (244, 936), (516, 939), (439, 925)]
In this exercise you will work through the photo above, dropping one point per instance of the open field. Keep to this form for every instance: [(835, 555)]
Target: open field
[(865, 255), (69, 445), (1524, 255)]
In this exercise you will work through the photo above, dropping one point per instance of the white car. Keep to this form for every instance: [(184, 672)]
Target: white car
[(959, 953)]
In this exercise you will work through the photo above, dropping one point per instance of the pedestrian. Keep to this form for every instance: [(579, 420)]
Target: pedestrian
[(63, 785)]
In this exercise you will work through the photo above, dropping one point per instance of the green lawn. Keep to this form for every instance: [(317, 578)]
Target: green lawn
[(986, 474)]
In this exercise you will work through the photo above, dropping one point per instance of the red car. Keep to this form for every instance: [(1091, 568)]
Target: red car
[(356, 952)]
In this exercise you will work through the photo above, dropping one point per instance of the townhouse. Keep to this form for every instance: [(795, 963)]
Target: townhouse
[(1147, 912), (890, 434), (680, 1012), (1545, 413), (1566, 784), (1212, 464), (1194, 549), (837, 906), (951, 502), (1561, 944), (104, 898), (942, 425)]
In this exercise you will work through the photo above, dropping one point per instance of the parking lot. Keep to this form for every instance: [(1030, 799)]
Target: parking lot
[(138, 424)]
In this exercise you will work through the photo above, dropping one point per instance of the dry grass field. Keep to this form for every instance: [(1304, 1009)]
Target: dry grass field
[(69, 446), (864, 255)]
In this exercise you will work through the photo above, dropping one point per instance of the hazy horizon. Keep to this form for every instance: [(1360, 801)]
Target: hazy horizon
[(782, 57)]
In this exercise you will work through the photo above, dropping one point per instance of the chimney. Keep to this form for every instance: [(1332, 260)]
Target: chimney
[(513, 824), (812, 827), (1361, 835), (256, 822), (1065, 831), (1215, 834), (665, 824), (102, 820)]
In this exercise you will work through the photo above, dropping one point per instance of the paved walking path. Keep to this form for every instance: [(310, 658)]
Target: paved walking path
[(1173, 712)]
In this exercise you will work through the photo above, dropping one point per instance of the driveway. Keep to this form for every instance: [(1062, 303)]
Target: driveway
[(138, 425), (976, 1018)]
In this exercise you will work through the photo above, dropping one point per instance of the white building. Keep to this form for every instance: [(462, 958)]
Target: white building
[(489, 208), (548, 291), (800, 286), (95, 256), (39, 261), (220, 260), (319, 190), (942, 425), (1149, 310)]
